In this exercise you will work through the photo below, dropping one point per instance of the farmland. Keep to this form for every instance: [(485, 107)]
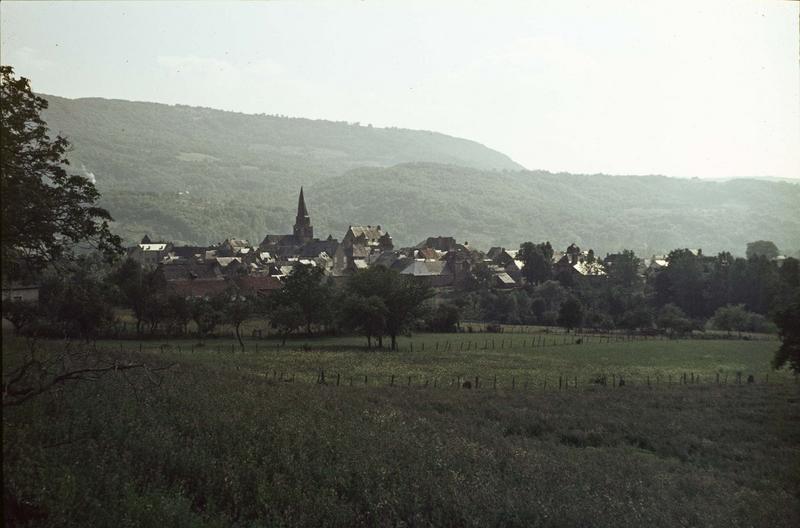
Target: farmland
[(224, 437)]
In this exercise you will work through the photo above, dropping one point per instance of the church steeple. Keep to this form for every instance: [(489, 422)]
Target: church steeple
[(303, 230)]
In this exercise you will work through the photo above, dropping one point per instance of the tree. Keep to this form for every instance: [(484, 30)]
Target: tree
[(178, 313), (20, 314), (403, 296), (75, 300), (731, 318), (537, 259), (623, 269), (287, 318), (552, 293), (638, 316), (788, 321), (765, 248), (673, 319), (237, 310), (45, 210), (140, 290), (207, 313), (682, 283), (444, 318), (305, 287), (366, 315), (570, 315)]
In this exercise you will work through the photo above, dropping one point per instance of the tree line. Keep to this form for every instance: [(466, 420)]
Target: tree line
[(692, 291), (82, 301)]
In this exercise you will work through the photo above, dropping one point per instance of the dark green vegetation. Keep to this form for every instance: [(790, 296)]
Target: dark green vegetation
[(46, 210), (242, 173), (220, 443)]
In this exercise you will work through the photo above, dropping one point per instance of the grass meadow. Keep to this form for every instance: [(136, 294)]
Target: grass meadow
[(225, 439)]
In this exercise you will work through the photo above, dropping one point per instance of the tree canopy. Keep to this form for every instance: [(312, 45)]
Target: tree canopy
[(46, 210)]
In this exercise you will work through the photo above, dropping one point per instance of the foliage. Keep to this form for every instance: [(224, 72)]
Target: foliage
[(762, 248), (75, 301), (46, 210), (673, 320), (402, 296), (788, 321), (237, 310), (537, 260), (309, 292), (443, 318), (365, 315), (207, 313), (21, 314), (141, 290), (570, 315), (732, 318)]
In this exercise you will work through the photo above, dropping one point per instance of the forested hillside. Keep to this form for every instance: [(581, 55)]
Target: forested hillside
[(645, 213), (197, 175)]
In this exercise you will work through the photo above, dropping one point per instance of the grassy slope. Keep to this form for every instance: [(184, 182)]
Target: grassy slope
[(219, 443)]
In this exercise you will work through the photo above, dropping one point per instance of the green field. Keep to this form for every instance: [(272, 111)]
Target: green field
[(515, 359), (223, 439)]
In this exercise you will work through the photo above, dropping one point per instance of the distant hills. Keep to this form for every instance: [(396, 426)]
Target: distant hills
[(198, 175)]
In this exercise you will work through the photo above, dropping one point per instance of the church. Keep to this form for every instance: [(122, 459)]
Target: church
[(301, 243)]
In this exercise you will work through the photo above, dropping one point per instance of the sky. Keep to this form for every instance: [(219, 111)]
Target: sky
[(706, 89)]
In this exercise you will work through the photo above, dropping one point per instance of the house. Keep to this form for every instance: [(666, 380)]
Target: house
[(18, 291), (372, 237), (503, 281), (234, 247), (360, 243), (439, 243), (148, 253), (435, 273), (575, 264)]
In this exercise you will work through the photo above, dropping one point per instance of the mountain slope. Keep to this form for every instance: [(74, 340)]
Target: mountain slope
[(645, 213), (162, 148), (195, 175)]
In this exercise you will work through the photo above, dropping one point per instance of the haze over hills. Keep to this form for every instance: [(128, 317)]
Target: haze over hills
[(197, 175)]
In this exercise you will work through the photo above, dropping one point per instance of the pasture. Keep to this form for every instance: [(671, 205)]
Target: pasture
[(224, 438)]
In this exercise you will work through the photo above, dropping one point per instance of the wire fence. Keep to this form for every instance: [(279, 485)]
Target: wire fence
[(562, 382)]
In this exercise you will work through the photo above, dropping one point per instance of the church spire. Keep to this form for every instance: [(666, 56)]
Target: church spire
[(302, 212), (303, 230)]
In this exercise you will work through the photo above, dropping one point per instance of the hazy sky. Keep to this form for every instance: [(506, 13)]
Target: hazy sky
[(708, 89)]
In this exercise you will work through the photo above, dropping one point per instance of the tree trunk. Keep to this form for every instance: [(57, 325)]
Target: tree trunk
[(239, 336), (394, 341), (380, 341), (369, 342)]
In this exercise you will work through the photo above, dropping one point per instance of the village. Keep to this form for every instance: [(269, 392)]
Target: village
[(439, 261)]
